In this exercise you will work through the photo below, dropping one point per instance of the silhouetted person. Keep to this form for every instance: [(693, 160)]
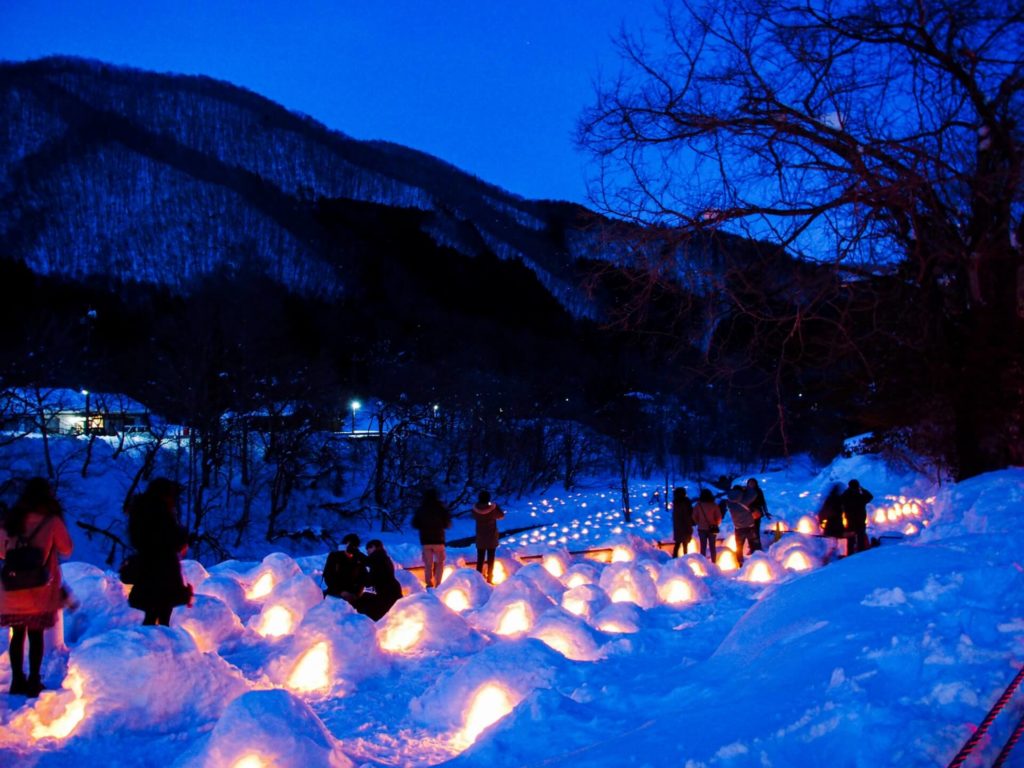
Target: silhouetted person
[(682, 521), (486, 514), (160, 541), (855, 504), (36, 518), (831, 514), (753, 497), (432, 519), (382, 588), (743, 522), (345, 571), (708, 517)]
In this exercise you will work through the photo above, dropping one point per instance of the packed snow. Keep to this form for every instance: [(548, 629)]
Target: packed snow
[(624, 656)]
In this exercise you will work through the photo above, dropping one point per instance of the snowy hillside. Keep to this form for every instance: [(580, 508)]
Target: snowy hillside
[(889, 657)]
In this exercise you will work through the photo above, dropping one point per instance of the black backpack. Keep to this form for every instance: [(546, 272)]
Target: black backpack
[(25, 564)]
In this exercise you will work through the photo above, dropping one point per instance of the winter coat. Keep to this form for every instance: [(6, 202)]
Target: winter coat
[(345, 571), (736, 502), (855, 505), (754, 498), (682, 517), (431, 519), (707, 515), (831, 515), (487, 517), (55, 541), (158, 540), (383, 589)]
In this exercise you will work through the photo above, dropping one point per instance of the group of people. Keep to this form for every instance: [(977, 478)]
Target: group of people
[(747, 506), (33, 539), (850, 504), (367, 581), (432, 518)]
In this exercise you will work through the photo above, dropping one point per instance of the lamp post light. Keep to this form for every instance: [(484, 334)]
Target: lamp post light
[(355, 405), (85, 426)]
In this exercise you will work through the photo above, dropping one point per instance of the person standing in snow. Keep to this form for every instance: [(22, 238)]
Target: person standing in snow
[(345, 571), (160, 541), (855, 504), (753, 497), (382, 588), (708, 517), (486, 514), (830, 516), (432, 519), (742, 521), (37, 518), (682, 521)]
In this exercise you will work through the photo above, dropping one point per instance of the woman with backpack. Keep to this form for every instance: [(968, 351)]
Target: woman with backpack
[(30, 594), (160, 542)]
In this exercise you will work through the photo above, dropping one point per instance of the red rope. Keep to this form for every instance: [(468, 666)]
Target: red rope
[(1004, 753), (1001, 702)]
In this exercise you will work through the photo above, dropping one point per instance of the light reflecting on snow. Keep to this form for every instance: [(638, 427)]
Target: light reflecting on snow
[(457, 600), (489, 704), (277, 621), (250, 761), (263, 587), (398, 637), (58, 714), (514, 620)]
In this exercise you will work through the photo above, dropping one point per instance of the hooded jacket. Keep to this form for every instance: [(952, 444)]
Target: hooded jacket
[(487, 517)]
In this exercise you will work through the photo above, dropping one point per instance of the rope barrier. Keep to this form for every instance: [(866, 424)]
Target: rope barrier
[(1004, 753), (983, 727)]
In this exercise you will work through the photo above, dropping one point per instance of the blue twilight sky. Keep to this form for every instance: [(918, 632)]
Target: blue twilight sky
[(493, 86)]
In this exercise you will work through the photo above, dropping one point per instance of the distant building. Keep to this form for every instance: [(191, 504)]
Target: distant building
[(71, 412)]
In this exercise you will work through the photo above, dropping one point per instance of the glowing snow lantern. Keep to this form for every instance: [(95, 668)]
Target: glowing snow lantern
[(490, 703), (806, 524), (250, 761), (730, 542), (727, 560), (677, 591), (623, 595), (880, 516), (797, 561), (264, 584), (574, 605), (622, 554), (457, 600), (698, 567), (500, 574), (61, 725), (893, 514), (759, 573), (276, 622), (312, 672), (402, 636), (910, 529), (554, 566), (514, 620), (576, 580), (612, 626)]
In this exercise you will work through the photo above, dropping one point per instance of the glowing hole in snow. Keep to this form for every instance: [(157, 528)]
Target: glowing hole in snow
[(759, 572), (614, 627), (402, 636), (500, 574), (697, 567), (797, 561), (277, 621), (727, 560), (806, 525), (250, 761), (577, 580), (622, 555), (514, 620), (678, 591), (910, 530), (446, 572), (880, 516), (574, 605), (311, 673), (623, 595), (893, 515), (490, 704), (457, 600), (554, 566), (262, 587), (730, 541), (62, 725), (558, 641)]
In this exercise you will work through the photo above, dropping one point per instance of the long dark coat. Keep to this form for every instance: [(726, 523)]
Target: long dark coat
[(159, 540), (487, 517), (682, 516)]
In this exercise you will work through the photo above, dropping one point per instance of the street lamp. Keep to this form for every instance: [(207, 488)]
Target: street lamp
[(356, 405)]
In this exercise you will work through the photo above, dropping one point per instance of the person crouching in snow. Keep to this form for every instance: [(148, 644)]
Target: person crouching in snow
[(487, 514), (345, 571), (382, 588), (35, 518), (160, 541)]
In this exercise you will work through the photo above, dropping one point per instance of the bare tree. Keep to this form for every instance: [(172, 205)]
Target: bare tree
[(879, 141)]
